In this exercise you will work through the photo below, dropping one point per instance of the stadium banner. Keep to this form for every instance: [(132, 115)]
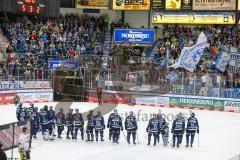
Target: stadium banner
[(214, 5), (193, 17), (65, 65), (111, 97), (9, 134), (41, 96), (172, 5), (131, 5), (94, 4), (213, 104), (9, 85), (232, 106), (164, 101), (134, 35), (7, 98)]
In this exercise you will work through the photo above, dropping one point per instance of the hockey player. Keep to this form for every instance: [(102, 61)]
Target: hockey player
[(53, 117), (115, 125), (60, 122), (131, 127), (24, 114), (108, 124), (165, 134), (162, 122), (78, 124), (31, 108), (99, 125), (90, 126), (18, 111), (177, 130), (192, 128), (35, 118), (46, 121), (153, 128), (69, 123)]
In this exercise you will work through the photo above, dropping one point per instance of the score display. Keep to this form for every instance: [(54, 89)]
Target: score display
[(32, 6)]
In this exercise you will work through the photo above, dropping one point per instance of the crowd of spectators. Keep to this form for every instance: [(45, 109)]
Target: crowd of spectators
[(35, 41)]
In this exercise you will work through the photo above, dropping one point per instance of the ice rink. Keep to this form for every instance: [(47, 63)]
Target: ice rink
[(219, 138)]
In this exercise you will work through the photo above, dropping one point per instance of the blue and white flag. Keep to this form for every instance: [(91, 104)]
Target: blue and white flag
[(222, 61), (190, 56)]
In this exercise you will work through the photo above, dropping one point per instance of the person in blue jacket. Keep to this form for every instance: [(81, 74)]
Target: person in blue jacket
[(177, 130), (153, 129), (108, 124), (60, 122), (192, 128), (90, 126), (99, 126), (78, 124), (131, 127), (115, 124), (35, 118)]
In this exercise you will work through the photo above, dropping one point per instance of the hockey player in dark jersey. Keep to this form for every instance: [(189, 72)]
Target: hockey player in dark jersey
[(108, 124), (31, 108), (24, 114), (131, 127), (60, 122), (90, 126), (162, 122), (78, 124), (46, 121), (192, 128), (115, 125), (177, 130), (53, 116), (153, 129), (35, 121), (18, 111), (165, 134), (99, 125), (69, 123)]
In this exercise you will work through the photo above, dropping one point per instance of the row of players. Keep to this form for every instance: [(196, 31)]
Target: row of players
[(46, 119)]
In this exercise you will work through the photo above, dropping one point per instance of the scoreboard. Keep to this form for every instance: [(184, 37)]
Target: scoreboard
[(32, 6), (49, 8)]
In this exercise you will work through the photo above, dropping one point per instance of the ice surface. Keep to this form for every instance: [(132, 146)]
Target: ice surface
[(219, 138)]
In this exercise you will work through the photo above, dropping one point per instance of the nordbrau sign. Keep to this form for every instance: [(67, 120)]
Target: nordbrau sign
[(214, 104)]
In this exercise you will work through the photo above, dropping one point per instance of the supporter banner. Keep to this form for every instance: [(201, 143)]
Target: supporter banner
[(96, 4), (65, 65), (196, 103), (7, 98), (222, 61), (134, 35), (194, 17), (232, 106), (214, 5), (131, 5), (9, 134), (190, 56), (151, 100)]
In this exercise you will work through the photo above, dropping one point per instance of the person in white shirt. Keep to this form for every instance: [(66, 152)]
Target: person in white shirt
[(24, 148)]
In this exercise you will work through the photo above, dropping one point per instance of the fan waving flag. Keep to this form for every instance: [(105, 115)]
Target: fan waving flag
[(190, 56)]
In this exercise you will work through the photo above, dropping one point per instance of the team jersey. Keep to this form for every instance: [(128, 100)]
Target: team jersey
[(192, 124), (60, 119), (91, 120), (78, 119), (131, 123), (99, 123), (116, 121), (178, 125), (153, 126)]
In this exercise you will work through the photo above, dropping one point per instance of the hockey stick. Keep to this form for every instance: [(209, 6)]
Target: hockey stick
[(198, 140), (125, 136)]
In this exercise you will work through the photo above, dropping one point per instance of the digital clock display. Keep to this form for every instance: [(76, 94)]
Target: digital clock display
[(32, 6)]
